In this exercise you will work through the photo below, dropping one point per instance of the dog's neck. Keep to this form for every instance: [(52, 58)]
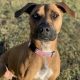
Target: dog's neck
[(43, 48), (46, 47)]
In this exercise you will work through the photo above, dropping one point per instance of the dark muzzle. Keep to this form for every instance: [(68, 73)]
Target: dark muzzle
[(45, 32)]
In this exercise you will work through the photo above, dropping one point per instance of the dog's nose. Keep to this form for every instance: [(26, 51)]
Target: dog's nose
[(44, 30)]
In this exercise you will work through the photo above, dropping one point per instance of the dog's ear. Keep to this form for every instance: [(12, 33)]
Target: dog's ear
[(65, 9), (27, 8)]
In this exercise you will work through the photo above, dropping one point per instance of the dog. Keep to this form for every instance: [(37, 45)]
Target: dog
[(38, 58)]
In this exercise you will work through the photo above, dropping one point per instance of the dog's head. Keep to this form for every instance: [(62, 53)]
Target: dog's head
[(45, 19)]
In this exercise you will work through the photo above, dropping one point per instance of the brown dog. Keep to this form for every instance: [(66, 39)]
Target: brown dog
[(37, 59)]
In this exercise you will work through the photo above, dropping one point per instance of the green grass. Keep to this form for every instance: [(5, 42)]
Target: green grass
[(17, 31)]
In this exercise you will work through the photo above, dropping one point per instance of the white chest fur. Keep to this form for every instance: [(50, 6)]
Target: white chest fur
[(44, 73)]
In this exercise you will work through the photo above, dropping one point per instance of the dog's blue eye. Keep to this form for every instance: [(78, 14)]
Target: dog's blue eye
[(36, 16)]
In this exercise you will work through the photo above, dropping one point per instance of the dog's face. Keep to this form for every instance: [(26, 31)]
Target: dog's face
[(45, 22), (45, 19)]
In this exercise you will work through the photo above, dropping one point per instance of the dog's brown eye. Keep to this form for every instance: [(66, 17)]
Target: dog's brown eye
[(36, 16), (54, 15)]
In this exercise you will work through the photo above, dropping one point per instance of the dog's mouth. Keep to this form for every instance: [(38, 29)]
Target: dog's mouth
[(45, 37)]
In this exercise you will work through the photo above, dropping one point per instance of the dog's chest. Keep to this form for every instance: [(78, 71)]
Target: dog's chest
[(44, 73)]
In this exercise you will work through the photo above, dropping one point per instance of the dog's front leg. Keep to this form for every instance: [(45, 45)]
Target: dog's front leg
[(32, 70)]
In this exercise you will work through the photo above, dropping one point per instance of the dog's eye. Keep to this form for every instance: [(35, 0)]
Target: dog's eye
[(36, 16), (54, 15)]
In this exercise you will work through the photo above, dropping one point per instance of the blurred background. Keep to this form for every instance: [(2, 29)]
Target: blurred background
[(16, 31)]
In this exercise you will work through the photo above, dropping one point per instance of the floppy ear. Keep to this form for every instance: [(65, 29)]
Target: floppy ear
[(65, 9), (27, 8)]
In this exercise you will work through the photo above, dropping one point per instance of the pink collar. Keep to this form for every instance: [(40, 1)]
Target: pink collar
[(40, 52), (44, 54)]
